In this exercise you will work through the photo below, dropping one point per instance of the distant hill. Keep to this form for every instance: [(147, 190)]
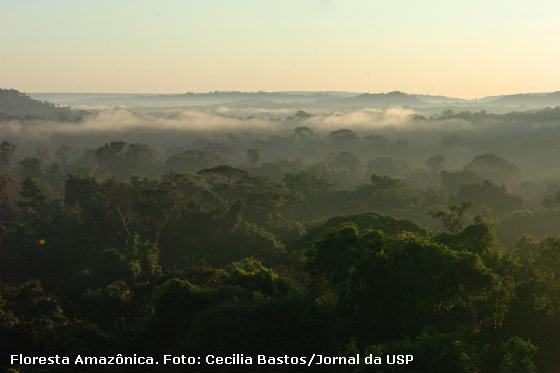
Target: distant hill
[(188, 98), (386, 99), (17, 105), (334, 99), (551, 99), (437, 100), (293, 99)]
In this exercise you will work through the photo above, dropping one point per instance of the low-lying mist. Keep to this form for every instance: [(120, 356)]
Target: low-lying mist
[(225, 119)]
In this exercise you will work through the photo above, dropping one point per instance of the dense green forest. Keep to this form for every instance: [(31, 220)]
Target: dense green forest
[(294, 242)]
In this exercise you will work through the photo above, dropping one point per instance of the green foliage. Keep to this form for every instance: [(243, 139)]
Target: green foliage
[(123, 160), (7, 150), (386, 193), (254, 156), (489, 195), (363, 222), (387, 166), (193, 161), (252, 276), (310, 186), (432, 351), (492, 167), (453, 180), (343, 136), (477, 238), (452, 220), (31, 167), (387, 288), (280, 258), (518, 356), (17, 105), (436, 163)]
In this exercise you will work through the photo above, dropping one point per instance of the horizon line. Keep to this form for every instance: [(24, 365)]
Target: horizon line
[(283, 91)]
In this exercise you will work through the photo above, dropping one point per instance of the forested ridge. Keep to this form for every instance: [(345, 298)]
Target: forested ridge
[(17, 105)]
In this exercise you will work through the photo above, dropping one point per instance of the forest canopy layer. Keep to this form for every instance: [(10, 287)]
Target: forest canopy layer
[(282, 223)]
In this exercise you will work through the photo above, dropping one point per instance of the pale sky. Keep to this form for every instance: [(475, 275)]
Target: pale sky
[(463, 48)]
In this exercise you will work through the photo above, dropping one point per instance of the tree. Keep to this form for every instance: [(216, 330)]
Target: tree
[(343, 163), (62, 154), (438, 287), (9, 195), (260, 199), (303, 133), (31, 167), (436, 163), (385, 193), (301, 115), (254, 156), (488, 195), (193, 161), (308, 184), (453, 180), (377, 141), (433, 351), (109, 156), (7, 150), (137, 261), (518, 356), (343, 136), (452, 220), (492, 167), (388, 166), (124, 160), (552, 202)]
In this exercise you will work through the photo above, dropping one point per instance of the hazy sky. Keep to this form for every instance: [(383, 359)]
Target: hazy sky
[(462, 48)]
